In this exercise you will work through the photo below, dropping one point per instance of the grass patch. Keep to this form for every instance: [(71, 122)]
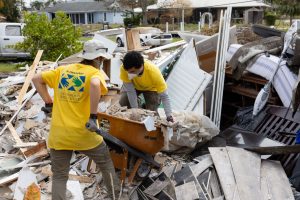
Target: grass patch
[(84, 39), (8, 67)]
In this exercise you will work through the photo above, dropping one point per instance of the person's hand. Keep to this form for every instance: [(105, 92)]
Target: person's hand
[(170, 119), (92, 124), (47, 109)]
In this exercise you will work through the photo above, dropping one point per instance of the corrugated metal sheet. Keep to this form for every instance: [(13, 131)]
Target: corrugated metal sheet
[(187, 81)]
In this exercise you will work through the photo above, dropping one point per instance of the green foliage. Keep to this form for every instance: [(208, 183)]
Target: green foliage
[(287, 7), (54, 37), (37, 5), (134, 20), (9, 10), (270, 18)]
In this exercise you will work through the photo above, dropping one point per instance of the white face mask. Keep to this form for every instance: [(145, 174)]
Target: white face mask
[(131, 76)]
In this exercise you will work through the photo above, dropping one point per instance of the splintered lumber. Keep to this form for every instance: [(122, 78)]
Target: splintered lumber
[(82, 179), (29, 76), (186, 191), (19, 142), (274, 182), (223, 166), (246, 168), (203, 164), (159, 184), (30, 94)]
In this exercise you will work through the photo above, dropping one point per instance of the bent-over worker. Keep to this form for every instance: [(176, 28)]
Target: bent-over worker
[(140, 76), (77, 91)]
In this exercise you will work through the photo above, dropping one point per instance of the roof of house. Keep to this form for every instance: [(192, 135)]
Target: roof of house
[(210, 3), (80, 7)]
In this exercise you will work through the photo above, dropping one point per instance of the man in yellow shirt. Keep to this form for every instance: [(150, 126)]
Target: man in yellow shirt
[(77, 91), (143, 77)]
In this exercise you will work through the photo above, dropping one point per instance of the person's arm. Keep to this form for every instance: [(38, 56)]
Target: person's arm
[(131, 94), (41, 88), (167, 103), (95, 94)]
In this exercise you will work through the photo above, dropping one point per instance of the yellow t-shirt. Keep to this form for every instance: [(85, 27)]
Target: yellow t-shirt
[(151, 79), (71, 106)]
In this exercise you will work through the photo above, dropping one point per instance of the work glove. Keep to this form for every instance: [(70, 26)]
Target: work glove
[(170, 119), (92, 125), (47, 109)]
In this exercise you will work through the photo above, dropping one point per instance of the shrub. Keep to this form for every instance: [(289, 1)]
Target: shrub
[(133, 21), (270, 18), (55, 37)]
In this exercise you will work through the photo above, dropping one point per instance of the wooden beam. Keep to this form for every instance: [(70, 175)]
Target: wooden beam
[(246, 168), (275, 150), (224, 169), (274, 182), (29, 76)]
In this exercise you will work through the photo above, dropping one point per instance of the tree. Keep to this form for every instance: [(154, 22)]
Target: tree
[(49, 2), (37, 5), (54, 37), (143, 4), (290, 8), (10, 10)]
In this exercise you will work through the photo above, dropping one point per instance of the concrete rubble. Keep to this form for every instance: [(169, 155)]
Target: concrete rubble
[(221, 171)]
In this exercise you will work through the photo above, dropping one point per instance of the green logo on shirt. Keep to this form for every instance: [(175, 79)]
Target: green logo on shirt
[(72, 82)]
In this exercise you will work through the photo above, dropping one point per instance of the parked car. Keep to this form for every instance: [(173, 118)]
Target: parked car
[(149, 36), (11, 34)]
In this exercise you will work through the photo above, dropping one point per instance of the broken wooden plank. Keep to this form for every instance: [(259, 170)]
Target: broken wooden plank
[(9, 179), (202, 165), (214, 184), (275, 150), (223, 166), (159, 184), (187, 175), (25, 145), (275, 184), (186, 191), (29, 76), (82, 179), (246, 169)]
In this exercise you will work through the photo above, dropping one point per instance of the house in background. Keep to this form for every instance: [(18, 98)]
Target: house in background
[(88, 12), (246, 11)]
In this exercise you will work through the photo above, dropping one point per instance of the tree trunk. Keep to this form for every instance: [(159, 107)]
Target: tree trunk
[(291, 20), (144, 4)]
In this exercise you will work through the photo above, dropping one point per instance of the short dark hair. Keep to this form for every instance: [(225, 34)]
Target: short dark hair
[(87, 62), (133, 59)]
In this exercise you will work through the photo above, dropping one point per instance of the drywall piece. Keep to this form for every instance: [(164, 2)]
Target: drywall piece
[(115, 65), (246, 168), (187, 81), (74, 188), (26, 178), (274, 182)]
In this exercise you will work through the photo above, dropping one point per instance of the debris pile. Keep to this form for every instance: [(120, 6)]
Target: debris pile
[(218, 175)]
